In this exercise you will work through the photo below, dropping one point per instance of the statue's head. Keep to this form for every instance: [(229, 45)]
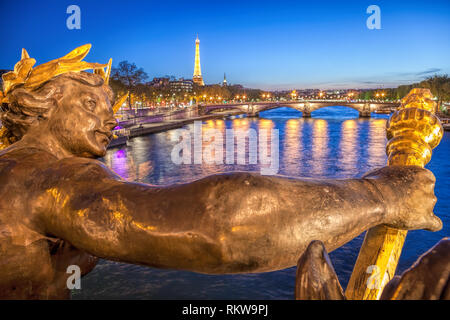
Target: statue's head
[(62, 103), (73, 108)]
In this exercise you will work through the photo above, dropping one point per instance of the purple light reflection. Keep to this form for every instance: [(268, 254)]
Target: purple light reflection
[(120, 164)]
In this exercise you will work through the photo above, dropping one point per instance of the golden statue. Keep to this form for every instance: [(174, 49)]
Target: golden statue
[(59, 206)]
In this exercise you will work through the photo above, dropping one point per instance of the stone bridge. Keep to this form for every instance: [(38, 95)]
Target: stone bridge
[(305, 106)]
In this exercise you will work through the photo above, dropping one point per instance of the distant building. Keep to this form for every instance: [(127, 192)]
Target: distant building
[(159, 82), (181, 85), (237, 87)]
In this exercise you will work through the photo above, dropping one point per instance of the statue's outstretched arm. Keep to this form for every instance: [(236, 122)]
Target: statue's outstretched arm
[(237, 222)]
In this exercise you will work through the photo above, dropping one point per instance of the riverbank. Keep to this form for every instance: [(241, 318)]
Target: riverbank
[(155, 127), (445, 120)]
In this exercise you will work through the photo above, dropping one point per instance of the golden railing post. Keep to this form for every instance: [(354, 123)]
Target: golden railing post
[(413, 131)]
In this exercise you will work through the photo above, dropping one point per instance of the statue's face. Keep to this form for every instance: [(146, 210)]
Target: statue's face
[(83, 120)]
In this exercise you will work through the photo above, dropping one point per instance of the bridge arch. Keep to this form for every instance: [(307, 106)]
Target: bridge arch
[(363, 110), (272, 107)]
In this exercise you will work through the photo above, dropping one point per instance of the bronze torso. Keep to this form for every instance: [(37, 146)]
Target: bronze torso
[(33, 264)]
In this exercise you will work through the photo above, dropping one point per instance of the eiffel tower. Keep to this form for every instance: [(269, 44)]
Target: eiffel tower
[(198, 79)]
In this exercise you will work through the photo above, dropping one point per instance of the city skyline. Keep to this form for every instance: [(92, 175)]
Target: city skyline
[(257, 44)]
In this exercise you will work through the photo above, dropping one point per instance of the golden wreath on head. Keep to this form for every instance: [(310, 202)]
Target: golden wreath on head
[(30, 78)]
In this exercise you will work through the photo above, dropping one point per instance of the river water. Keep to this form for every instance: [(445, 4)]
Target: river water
[(334, 143)]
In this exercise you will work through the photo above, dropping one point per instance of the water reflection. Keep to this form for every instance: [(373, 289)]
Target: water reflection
[(320, 147), (291, 155), (348, 147), (377, 142), (118, 162)]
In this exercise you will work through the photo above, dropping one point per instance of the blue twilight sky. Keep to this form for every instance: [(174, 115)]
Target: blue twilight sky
[(264, 44)]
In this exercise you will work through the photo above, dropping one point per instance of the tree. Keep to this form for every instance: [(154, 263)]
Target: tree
[(118, 87), (130, 76), (439, 86)]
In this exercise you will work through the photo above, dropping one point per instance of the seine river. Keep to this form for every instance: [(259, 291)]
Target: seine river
[(334, 143)]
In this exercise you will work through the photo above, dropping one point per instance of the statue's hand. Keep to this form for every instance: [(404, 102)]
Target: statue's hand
[(427, 279), (408, 194)]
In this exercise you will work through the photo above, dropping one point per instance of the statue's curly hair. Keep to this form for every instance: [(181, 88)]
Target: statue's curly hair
[(26, 108)]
